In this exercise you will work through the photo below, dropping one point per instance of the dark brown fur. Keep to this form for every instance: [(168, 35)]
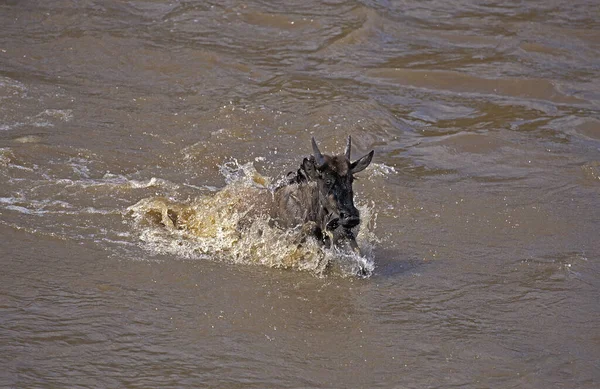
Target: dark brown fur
[(319, 197)]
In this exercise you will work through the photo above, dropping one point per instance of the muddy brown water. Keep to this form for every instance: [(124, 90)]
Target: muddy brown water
[(483, 196)]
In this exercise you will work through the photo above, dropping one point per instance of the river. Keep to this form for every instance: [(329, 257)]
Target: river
[(481, 209)]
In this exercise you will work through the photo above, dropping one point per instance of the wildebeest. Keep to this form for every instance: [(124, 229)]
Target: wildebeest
[(319, 197)]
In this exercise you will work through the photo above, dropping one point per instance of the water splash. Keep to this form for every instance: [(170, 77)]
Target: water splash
[(233, 224)]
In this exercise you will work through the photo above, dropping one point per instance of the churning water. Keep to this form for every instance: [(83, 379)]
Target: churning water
[(234, 224)]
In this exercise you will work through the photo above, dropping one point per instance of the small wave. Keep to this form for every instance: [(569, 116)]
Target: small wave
[(33, 207), (24, 210), (233, 224), (153, 182), (381, 169), (114, 181), (62, 114)]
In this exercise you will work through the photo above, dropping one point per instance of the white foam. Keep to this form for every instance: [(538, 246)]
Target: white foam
[(62, 114), (381, 169)]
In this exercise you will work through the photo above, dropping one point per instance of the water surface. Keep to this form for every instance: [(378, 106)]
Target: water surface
[(482, 200)]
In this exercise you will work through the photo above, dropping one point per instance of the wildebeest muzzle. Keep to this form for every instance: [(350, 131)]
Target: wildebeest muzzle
[(349, 220), (346, 220)]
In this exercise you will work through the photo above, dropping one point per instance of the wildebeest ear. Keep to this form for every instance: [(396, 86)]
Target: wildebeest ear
[(309, 167), (361, 163)]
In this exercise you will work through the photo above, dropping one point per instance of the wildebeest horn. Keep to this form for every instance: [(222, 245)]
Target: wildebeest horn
[(318, 156), (348, 147)]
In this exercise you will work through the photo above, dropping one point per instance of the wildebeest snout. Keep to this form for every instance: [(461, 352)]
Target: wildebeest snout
[(350, 219)]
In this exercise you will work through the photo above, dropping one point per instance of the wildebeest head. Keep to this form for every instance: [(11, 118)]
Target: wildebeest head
[(334, 176)]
